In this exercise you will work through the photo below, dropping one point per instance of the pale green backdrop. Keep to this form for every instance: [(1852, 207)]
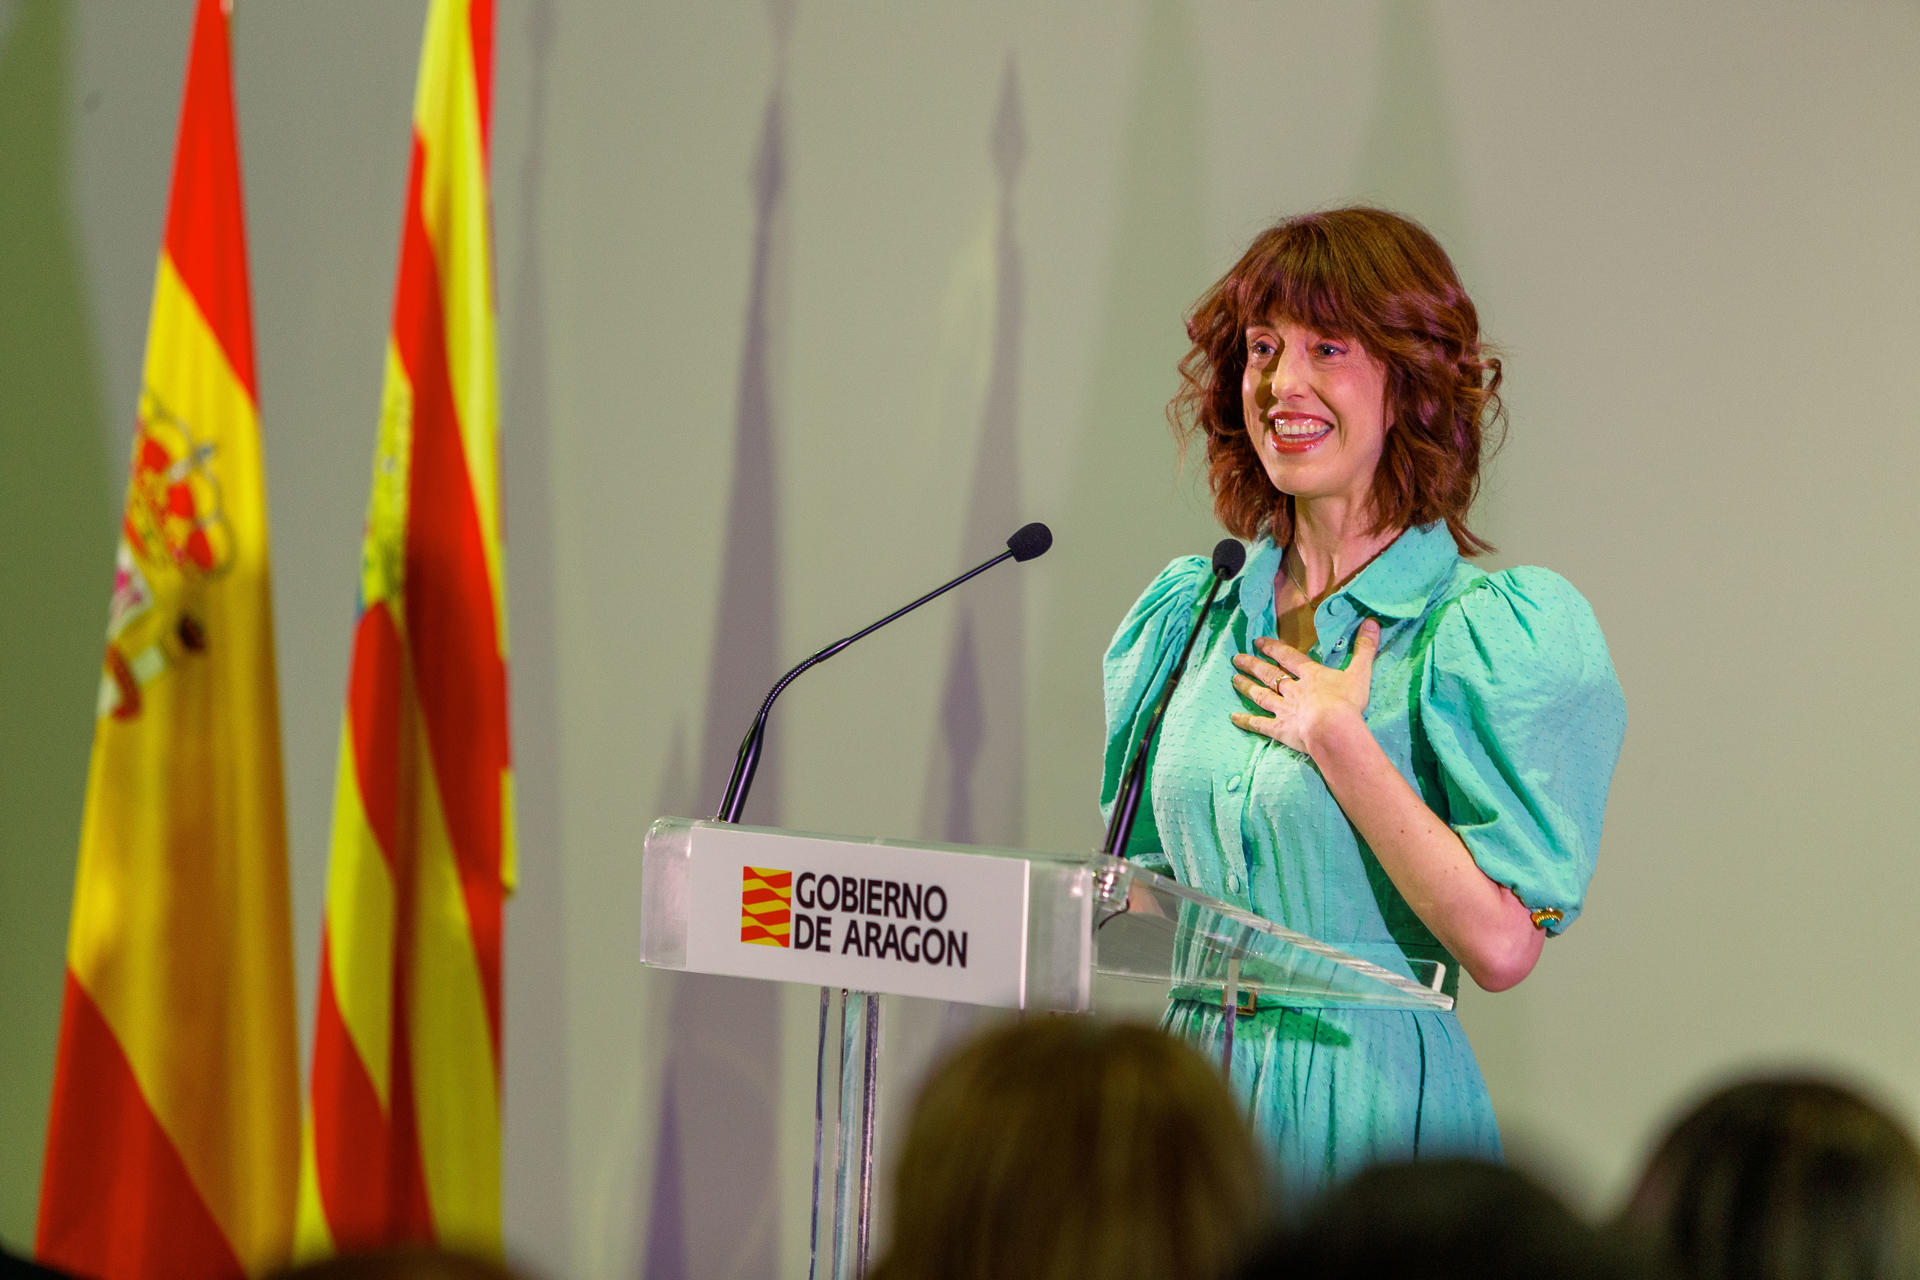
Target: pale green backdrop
[(805, 305)]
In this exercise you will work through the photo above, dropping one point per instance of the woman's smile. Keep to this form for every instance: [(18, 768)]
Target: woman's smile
[(1296, 432)]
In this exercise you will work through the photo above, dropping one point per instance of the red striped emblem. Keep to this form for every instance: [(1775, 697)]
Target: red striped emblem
[(766, 906)]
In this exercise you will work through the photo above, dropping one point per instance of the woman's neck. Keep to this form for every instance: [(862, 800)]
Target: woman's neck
[(1331, 543)]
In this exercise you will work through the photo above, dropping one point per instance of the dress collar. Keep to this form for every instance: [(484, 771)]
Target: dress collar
[(1397, 584), (1255, 582), (1404, 577)]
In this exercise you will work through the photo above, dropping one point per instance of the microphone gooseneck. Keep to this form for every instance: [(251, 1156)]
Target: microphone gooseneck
[(1027, 543), (1228, 557)]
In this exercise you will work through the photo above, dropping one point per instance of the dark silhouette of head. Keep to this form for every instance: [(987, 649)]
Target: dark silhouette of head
[(1785, 1178), (1443, 1220), (1058, 1148)]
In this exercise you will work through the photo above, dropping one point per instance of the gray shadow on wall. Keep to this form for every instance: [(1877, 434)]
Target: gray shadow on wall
[(746, 626), (976, 780), (1408, 160), (57, 522), (1128, 509), (715, 1205), (976, 774), (537, 1191)]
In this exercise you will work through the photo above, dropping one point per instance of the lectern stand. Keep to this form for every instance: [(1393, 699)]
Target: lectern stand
[(1003, 927)]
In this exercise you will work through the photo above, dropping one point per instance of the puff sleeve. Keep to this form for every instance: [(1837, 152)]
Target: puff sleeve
[(1524, 717), (1136, 667)]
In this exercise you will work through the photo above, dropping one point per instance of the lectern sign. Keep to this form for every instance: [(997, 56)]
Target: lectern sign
[(915, 921)]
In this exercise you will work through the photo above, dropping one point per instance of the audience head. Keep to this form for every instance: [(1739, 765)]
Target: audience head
[(1442, 1220), (1783, 1179), (1061, 1147)]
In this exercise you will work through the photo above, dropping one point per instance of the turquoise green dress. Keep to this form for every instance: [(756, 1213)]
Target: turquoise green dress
[(1493, 694)]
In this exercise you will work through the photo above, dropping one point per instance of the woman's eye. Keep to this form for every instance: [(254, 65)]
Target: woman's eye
[(1260, 347), (1329, 349)]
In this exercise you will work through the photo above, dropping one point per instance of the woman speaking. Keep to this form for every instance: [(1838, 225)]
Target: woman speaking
[(1375, 742)]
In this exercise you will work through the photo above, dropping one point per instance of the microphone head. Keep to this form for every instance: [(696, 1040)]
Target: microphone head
[(1228, 555), (1031, 540)]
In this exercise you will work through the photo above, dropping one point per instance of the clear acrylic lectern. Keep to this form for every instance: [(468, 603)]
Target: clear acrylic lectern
[(1007, 927)]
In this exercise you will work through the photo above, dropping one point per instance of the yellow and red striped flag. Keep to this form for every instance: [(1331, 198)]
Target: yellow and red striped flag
[(402, 1139), (174, 1131), (766, 906)]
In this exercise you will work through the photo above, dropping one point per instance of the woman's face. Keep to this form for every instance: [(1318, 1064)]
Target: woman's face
[(1316, 411)]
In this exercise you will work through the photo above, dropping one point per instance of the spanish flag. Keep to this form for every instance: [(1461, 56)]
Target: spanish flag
[(402, 1140), (174, 1134)]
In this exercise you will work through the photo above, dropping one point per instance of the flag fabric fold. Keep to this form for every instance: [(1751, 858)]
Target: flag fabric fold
[(402, 1137), (173, 1134)]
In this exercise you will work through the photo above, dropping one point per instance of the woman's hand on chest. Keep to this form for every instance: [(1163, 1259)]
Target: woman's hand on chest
[(1301, 697)]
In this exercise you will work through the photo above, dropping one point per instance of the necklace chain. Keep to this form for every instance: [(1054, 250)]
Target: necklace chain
[(1300, 586)]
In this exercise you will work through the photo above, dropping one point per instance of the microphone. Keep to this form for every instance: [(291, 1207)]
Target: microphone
[(1028, 542), (1228, 556)]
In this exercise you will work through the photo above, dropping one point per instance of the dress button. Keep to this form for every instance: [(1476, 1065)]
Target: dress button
[(1233, 882), (1233, 783)]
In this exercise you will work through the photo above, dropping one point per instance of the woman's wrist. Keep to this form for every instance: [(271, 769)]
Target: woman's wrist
[(1335, 733)]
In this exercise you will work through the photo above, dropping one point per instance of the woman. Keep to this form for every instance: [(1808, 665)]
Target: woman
[(1030, 1149), (1783, 1178), (1374, 741)]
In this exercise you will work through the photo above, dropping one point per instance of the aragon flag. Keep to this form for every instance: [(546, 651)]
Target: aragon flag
[(402, 1141), (173, 1139)]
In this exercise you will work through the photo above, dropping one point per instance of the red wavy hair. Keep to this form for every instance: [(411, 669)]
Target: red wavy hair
[(1368, 276)]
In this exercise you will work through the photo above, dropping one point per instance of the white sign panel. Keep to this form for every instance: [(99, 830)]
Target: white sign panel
[(913, 922)]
